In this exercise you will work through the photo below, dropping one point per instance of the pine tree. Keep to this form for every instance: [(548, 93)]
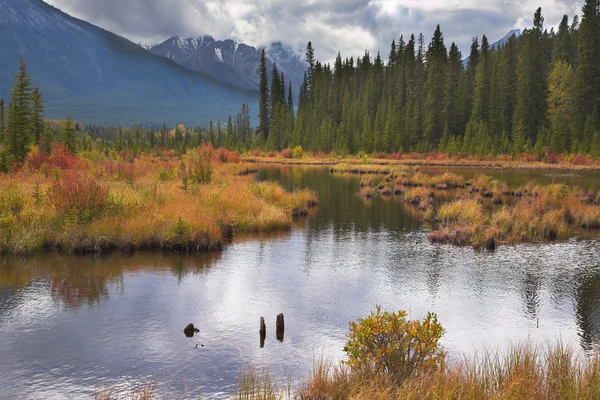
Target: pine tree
[(452, 118), (1, 121), (230, 141), (263, 98), (47, 140), (531, 109), (481, 94), (563, 49), (587, 76), (435, 87), (68, 136), (310, 60), (18, 130), (37, 115)]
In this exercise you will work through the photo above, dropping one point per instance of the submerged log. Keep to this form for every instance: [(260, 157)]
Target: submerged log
[(263, 332), (280, 327)]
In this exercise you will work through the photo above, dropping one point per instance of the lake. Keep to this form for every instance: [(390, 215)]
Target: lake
[(72, 326)]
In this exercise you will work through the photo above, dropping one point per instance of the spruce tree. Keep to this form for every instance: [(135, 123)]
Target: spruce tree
[(19, 125), (37, 115), (1, 121), (435, 87), (452, 118), (68, 136), (263, 98), (587, 76), (531, 109), (563, 49), (310, 60)]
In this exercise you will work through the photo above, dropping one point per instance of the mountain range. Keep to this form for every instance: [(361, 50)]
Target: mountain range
[(96, 76), (229, 61)]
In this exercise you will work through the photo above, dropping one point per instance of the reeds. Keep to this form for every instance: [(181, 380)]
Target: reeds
[(522, 372)]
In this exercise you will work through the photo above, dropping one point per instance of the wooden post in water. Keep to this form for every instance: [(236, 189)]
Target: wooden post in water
[(263, 332), (280, 327)]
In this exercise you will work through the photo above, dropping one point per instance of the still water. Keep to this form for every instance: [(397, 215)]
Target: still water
[(72, 326)]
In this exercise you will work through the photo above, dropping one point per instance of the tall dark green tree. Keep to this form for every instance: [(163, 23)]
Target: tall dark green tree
[(435, 88), (263, 98), (587, 75), (19, 125), (68, 136), (1, 120), (37, 115), (532, 90)]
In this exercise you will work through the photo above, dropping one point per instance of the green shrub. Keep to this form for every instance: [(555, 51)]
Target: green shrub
[(199, 166), (390, 344)]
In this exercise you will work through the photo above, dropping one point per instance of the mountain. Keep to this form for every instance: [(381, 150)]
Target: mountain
[(98, 77), (501, 42), (231, 62)]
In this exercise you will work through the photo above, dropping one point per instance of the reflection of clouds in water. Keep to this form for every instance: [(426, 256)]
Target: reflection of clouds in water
[(28, 309)]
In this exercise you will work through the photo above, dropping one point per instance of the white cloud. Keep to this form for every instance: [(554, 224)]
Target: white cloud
[(349, 26)]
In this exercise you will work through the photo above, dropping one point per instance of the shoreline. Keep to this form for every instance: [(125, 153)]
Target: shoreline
[(498, 165)]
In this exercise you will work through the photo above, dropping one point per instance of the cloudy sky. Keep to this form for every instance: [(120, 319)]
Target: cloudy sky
[(349, 26)]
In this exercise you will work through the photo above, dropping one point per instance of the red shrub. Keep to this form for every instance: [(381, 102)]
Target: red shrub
[(320, 155), (395, 156), (62, 158), (256, 153), (273, 154), (580, 160), (552, 158), (287, 153), (226, 156), (528, 157), (36, 159), (79, 192), (381, 155)]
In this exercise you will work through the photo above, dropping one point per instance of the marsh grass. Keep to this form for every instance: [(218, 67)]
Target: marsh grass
[(95, 207)]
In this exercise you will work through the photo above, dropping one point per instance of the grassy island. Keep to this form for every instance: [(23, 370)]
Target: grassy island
[(97, 201)]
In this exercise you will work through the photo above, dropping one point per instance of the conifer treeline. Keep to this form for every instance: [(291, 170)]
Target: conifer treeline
[(537, 93)]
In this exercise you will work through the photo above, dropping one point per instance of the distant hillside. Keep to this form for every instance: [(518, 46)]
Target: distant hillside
[(231, 62), (98, 77)]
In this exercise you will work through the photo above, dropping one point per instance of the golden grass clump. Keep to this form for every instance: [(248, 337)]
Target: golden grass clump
[(463, 211)]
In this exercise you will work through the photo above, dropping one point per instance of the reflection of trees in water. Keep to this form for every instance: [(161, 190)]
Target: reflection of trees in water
[(340, 208), (80, 281), (588, 310)]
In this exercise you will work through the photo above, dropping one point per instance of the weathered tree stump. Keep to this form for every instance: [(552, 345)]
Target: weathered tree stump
[(280, 327), (263, 332), (190, 330)]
